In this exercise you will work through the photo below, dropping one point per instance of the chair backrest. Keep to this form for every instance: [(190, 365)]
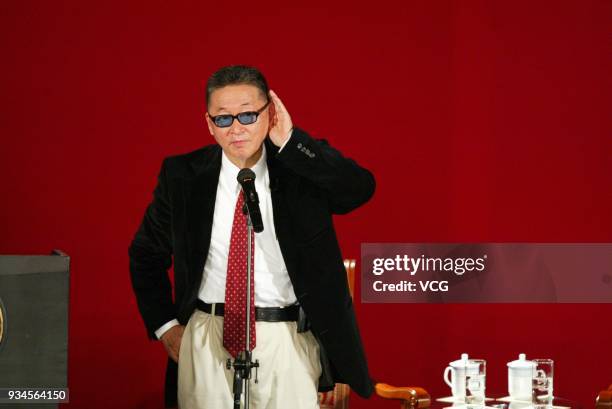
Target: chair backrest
[(349, 265), (604, 399), (408, 397)]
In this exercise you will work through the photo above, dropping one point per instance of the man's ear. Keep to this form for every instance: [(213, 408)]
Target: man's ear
[(271, 115), (271, 109)]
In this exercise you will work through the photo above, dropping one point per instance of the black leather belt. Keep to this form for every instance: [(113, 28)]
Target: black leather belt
[(270, 314)]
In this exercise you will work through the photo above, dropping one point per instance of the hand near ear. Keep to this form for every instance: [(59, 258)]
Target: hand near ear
[(280, 121)]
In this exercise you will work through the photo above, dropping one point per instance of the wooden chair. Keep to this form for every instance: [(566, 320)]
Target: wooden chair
[(409, 397), (604, 399)]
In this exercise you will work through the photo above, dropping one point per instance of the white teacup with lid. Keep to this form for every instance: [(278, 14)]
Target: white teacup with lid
[(520, 375), (458, 370)]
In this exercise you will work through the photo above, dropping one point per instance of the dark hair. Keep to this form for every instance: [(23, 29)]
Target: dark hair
[(235, 75)]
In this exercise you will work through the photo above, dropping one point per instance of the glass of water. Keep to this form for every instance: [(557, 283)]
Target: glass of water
[(542, 384), (475, 381)]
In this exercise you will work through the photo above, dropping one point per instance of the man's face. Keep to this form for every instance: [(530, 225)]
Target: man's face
[(241, 143)]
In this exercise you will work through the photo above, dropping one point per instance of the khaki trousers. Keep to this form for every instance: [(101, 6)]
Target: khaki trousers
[(288, 373)]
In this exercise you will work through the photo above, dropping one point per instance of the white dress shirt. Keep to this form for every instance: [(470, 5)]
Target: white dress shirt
[(272, 285)]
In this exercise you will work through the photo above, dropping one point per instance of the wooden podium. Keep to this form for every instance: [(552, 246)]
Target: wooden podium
[(34, 292)]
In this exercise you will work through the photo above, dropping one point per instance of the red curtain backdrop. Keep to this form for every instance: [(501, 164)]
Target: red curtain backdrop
[(483, 121)]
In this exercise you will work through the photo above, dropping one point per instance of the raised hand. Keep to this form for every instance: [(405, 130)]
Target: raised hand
[(280, 121)]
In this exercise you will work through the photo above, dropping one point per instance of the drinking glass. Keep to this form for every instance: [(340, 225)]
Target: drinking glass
[(475, 381), (542, 384)]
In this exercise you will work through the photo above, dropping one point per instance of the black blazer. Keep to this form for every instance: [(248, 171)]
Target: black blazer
[(309, 182)]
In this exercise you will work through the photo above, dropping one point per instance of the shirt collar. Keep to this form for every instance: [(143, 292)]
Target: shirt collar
[(229, 171)]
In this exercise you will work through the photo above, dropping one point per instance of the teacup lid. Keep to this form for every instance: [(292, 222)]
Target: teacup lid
[(460, 363), (521, 363)]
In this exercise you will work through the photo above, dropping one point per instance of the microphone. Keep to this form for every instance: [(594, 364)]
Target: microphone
[(246, 178)]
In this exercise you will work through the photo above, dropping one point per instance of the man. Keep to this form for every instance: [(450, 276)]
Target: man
[(196, 217)]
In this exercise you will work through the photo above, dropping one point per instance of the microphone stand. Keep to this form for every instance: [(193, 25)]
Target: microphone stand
[(243, 362)]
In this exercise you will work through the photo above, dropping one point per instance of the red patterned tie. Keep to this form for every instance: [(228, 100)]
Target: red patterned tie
[(234, 319)]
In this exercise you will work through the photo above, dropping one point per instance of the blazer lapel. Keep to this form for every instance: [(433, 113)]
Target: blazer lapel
[(280, 183)]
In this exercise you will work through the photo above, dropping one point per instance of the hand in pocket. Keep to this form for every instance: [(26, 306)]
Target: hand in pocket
[(172, 341)]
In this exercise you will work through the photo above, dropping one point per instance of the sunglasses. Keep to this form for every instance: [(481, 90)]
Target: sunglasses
[(245, 118)]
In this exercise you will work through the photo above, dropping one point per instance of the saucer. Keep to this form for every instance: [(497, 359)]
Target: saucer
[(452, 399), (508, 399)]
